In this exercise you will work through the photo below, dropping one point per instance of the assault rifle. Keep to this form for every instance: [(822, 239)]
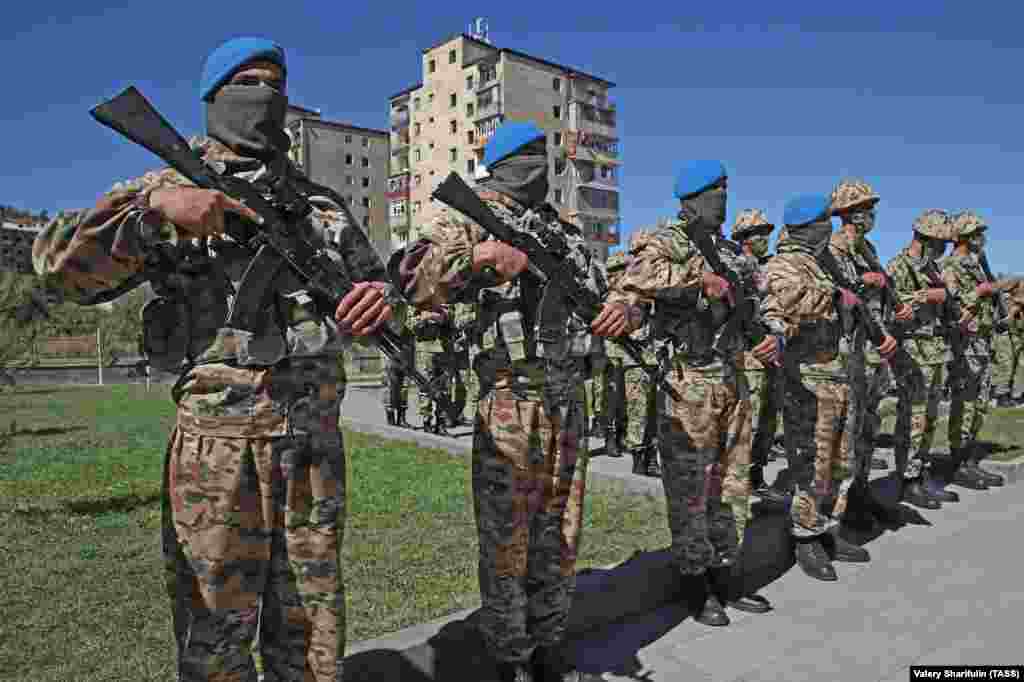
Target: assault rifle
[(742, 321), (277, 242), (950, 310), (1002, 324), (902, 364), (547, 262)]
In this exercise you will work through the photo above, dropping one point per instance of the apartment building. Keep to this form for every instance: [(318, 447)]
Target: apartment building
[(351, 160), (16, 247), (468, 88)]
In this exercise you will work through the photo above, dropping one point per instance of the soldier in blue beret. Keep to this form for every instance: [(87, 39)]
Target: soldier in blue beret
[(254, 492)]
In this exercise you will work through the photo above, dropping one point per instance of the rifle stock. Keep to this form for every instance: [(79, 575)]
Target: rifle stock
[(549, 265), (276, 243)]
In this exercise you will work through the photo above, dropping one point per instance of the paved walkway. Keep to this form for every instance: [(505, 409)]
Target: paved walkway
[(943, 589)]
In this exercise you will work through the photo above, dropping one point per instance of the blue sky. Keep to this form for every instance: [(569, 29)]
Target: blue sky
[(791, 96)]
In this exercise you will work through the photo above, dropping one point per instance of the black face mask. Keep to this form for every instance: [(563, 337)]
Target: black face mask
[(249, 120), (812, 237), (708, 208), (522, 176)]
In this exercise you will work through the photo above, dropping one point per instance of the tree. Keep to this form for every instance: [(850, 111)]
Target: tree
[(21, 317)]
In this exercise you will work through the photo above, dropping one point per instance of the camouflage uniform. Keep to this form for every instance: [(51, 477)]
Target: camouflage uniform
[(704, 440), (437, 359), (970, 403), (609, 407), (924, 340), (801, 297), (254, 479), (467, 388), (396, 391), (529, 451)]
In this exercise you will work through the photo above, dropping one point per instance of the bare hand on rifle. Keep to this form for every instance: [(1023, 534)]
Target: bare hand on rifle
[(198, 212), (615, 319), (717, 288), (768, 350), (903, 312), (363, 309), (887, 347), (506, 261), (985, 289)]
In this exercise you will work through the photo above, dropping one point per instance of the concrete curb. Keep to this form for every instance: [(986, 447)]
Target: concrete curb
[(1012, 470)]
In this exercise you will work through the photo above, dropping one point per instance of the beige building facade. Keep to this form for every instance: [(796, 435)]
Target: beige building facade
[(470, 87)]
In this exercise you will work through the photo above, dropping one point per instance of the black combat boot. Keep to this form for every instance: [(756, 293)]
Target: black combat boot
[(400, 418), (972, 463), (733, 589), (935, 484), (770, 497), (651, 466), (845, 551), (915, 493), (638, 462), (549, 665), (515, 672), (884, 514), (813, 559), (612, 448), (962, 475), (704, 603), (391, 417)]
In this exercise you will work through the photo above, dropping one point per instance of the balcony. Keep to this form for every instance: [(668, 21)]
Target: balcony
[(399, 224), (487, 109), (399, 140), (480, 141), (400, 119)]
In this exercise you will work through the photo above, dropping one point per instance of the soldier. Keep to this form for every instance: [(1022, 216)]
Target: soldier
[(396, 392), (966, 280), (802, 299), (704, 440), (751, 231), (529, 451), (436, 357), (1013, 289), (854, 202), (926, 339), (609, 397), (640, 397), (254, 486)]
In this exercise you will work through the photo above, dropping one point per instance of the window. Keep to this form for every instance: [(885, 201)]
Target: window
[(365, 161), (348, 159), (453, 127), (431, 145), (470, 166), (417, 180), (557, 141), (348, 200), (397, 209), (349, 180), (469, 109), (452, 100), (558, 196), (416, 104), (417, 155), (416, 207), (606, 172), (469, 82), (348, 139), (366, 142), (366, 182), (453, 154), (366, 221), (470, 136), (430, 99), (560, 166), (451, 56), (416, 130), (431, 66), (556, 84), (366, 202), (556, 111)]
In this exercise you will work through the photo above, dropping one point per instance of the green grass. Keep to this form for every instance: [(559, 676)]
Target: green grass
[(82, 592)]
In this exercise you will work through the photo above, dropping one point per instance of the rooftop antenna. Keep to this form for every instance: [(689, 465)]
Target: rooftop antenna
[(478, 30)]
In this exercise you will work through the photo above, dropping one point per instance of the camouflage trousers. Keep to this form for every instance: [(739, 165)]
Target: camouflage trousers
[(396, 391), (917, 413), (766, 393), (529, 476), (252, 533), (640, 406), (704, 442), (858, 453), (467, 388), (442, 371), (969, 405), (608, 403), (815, 412)]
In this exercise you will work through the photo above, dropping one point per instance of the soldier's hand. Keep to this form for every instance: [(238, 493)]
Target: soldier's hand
[(903, 312), (935, 296), (887, 347), (508, 262), (985, 289), (615, 319), (717, 288), (848, 298), (874, 279), (768, 350), (198, 212), (363, 309)]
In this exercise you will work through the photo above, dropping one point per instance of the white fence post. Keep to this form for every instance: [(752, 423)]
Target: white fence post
[(99, 355)]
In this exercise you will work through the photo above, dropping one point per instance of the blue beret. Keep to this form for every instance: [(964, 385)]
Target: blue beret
[(226, 59), (806, 208), (697, 176), (508, 139)]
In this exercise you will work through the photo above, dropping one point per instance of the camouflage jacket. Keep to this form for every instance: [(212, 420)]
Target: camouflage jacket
[(434, 336), (962, 275), (924, 334), (800, 299), (520, 325), (665, 278), (234, 388), (857, 263)]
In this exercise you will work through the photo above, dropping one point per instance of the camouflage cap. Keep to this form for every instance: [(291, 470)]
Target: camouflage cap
[(966, 223), (751, 222), (934, 223), (851, 193)]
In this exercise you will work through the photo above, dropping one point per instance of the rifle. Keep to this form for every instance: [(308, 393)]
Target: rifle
[(950, 309), (901, 362), (742, 319), (545, 262), (277, 243), (1001, 325)]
